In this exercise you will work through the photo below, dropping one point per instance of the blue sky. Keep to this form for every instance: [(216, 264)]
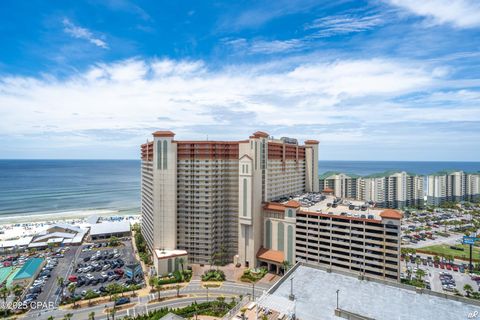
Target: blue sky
[(372, 80)]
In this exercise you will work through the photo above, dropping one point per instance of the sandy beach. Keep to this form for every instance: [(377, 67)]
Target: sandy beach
[(18, 226)]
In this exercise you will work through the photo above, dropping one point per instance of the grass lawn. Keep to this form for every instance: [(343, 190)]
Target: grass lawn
[(444, 249)]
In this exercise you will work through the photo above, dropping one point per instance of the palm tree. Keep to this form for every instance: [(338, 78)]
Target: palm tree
[(17, 291), (468, 289), (178, 290), (91, 315), (61, 284), (4, 292), (285, 265), (89, 295), (50, 318), (68, 316), (71, 288), (158, 287), (182, 262), (436, 259), (420, 274)]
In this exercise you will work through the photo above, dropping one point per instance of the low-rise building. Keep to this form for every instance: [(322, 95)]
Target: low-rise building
[(107, 229), (28, 272)]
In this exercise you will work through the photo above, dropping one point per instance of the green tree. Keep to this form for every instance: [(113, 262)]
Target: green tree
[(178, 289), (4, 292), (61, 284), (436, 259), (91, 316), (17, 291), (182, 262), (50, 318), (468, 289), (71, 288), (90, 295), (68, 316), (114, 241), (285, 265), (420, 274)]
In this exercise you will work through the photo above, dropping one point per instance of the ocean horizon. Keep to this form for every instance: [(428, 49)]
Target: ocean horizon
[(35, 188)]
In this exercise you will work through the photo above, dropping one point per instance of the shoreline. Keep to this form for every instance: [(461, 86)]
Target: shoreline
[(23, 218), (20, 226)]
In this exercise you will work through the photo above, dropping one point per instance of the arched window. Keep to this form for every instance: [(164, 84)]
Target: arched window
[(164, 154), (280, 236), (290, 245), (245, 197), (159, 155), (268, 234)]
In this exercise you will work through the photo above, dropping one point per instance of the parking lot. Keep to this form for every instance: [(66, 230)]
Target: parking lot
[(98, 266), (60, 266), (444, 280)]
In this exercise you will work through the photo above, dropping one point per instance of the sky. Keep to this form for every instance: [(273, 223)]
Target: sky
[(371, 80)]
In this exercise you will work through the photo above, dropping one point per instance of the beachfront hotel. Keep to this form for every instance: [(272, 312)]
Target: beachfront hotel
[(204, 199), (453, 186), (386, 190)]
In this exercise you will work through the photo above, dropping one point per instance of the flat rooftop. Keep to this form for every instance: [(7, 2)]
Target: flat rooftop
[(315, 292), (164, 254), (342, 207), (109, 228)]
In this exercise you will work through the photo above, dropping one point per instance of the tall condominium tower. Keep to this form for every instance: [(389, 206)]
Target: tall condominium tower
[(204, 198), (453, 186)]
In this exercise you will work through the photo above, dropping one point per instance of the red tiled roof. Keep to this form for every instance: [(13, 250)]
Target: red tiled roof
[(260, 134), (274, 206), (270, 255), (391, 214), (292, 204), (163, 134), (312, 142), (327, 190)]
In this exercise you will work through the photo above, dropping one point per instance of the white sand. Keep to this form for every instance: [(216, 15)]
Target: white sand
[(15, 227)]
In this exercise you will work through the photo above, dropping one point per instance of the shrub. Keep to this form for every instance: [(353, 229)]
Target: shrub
[(213, 275)]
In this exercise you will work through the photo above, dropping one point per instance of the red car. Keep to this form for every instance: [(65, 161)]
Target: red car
[(72, 278), (449, 267), (455, 268), (119, 272), (442, 266)]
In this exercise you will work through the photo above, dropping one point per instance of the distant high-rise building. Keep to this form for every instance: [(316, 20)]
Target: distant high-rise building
[(388, 190), (452, 186)]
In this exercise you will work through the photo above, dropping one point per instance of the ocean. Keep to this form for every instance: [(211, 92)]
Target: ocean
[(83, 187)]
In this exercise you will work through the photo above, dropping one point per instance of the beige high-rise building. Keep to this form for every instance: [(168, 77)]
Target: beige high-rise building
[(205, 198)]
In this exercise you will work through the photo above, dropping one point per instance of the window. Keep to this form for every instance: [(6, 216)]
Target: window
[(280, 236), (268, 234), (159, 155), (244, 197), (164, 154), (290, 244)]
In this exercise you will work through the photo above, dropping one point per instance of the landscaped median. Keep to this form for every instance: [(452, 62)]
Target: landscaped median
[(217, 308), (253, 275)]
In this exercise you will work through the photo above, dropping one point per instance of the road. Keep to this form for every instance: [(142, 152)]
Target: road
[(194, 289)]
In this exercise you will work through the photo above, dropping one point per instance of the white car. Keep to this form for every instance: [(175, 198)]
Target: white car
[(89, 276)]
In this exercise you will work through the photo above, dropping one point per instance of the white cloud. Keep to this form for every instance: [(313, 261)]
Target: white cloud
[(344, 24), (136, 95), (260, 46), (459, 13), (82, 33)]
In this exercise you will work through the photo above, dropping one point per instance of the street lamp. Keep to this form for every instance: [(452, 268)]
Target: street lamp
[(292, 296), (253, 291), (207, 291), (106, 311), (338, 290)]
